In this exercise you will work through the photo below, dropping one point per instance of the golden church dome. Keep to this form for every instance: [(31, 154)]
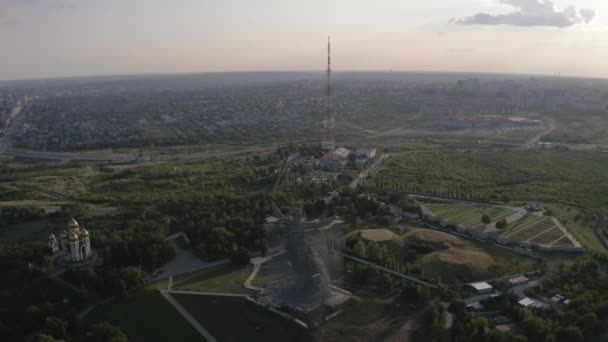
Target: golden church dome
[(73, 223)]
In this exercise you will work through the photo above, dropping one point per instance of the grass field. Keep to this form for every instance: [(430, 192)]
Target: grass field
[(464, 260), (469, 214), (579, 129), (146, 316), (378, 235), (582, 229), (233, 319), (225, 278), (274, 270), (531, 228), (537, 229)]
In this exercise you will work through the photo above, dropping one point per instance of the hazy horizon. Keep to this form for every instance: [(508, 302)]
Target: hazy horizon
[(67, 38)]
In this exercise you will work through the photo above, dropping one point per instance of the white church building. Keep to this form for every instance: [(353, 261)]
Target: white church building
[(74, 243)]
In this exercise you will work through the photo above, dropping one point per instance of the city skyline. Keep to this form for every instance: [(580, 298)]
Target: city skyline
[(66, 38)]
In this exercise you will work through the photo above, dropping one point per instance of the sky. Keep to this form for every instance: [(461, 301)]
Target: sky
[(65, 38)]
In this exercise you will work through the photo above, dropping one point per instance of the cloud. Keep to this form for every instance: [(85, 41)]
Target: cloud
[(11, 10), (532, 13)]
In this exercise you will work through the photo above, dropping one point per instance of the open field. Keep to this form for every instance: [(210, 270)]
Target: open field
[(469, 214), (369, 318), (537, 229), (233, 319), (433, 237), (378, 235), (464, 261), (530, 228), (146, 316), (452, 259), (579, 129), (33, 230), (224, 278)]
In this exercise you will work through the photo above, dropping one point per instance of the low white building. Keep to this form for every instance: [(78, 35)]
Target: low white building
[(481, 287), (526, 302)]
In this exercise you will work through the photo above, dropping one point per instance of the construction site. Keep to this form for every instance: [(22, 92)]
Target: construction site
[(307, 287)]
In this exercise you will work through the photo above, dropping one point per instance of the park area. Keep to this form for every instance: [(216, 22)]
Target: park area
[(145, 316), (469, 214), (537, 229), (237, 319), (223, 278), (526, 227)]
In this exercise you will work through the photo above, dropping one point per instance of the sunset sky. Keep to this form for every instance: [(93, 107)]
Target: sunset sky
[(56, 38)]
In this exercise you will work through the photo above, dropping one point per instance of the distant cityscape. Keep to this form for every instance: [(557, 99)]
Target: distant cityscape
[(63, 117)]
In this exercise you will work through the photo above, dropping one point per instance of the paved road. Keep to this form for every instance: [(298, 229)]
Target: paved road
[(369, 170), (188, 317), (534, 141)]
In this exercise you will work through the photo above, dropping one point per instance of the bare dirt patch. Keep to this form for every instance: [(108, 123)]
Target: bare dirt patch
[(378, 235)]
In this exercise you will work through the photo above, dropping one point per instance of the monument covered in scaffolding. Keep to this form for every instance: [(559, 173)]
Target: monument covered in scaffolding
[(309, 286)]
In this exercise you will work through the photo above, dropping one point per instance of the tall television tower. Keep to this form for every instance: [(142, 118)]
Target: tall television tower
[(328, 123)]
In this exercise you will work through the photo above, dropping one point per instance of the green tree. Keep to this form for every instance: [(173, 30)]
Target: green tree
[(33, 319), (485, 219), (569, 334), (502, 224), (360, 249), (386, 281), (56, 327), (105, 332), (534, 327), (373, 251), (45, 338), (240, 256)]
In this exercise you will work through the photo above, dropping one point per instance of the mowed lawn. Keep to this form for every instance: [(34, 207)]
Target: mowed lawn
[(224, 278), (469, 214), (234, 319), (145, 317)]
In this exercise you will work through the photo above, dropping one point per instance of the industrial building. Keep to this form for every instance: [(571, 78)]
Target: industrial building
[(518, 281), (335, 160)]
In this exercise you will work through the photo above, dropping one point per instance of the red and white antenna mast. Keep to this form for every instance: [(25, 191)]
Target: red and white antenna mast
[(328, 123)]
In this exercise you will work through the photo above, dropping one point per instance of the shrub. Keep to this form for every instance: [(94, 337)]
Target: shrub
[(502, 224)]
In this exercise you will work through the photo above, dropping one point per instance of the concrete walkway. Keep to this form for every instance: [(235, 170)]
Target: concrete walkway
[(188, 317), (184, 262), (257, 264)]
